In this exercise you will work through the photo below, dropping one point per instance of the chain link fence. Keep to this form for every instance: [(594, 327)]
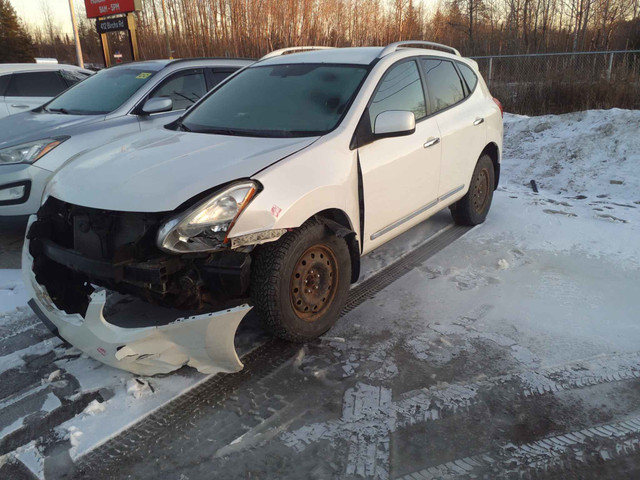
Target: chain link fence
[(536, 84)]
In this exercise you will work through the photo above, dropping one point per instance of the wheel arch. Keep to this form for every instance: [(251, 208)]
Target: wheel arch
[(340, 224), (493, 151)]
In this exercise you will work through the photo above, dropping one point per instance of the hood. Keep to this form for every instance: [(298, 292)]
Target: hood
[(158, 170), (30, 126)]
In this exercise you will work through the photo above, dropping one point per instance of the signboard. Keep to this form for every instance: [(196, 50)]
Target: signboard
[(104, 8), (107, 25)]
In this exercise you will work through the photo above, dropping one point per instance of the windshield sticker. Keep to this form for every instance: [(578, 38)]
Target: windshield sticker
[(144, 75)]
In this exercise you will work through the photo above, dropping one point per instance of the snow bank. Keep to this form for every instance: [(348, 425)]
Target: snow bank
[(594, 153)]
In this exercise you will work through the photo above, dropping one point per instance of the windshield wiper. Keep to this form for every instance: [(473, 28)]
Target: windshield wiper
[(178, 125), (220, 131), (58, 110)]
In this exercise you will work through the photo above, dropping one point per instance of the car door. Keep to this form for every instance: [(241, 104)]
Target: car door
[(400, 174), (184, 88), (28, 90), (462, 128)]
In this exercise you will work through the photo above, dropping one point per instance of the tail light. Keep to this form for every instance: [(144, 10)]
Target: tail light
[(499, 106)]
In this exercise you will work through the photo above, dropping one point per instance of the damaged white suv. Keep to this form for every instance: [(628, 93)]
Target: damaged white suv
[(147, 253)]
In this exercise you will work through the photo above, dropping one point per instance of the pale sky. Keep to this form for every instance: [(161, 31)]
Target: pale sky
[(31, 12)]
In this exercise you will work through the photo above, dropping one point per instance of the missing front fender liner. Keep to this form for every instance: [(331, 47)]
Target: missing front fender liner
[(350, 237)]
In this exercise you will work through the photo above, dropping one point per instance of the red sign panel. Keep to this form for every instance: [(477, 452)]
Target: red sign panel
[(104, 8)]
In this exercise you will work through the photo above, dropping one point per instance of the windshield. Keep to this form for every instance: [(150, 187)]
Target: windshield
[(292, 100), (101, 93)]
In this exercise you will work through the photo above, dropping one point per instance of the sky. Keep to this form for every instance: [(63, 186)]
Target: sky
[(31, 11)]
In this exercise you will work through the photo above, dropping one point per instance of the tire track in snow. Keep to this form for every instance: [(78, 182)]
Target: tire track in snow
[(369, 416), (437, 402), (597, 444)]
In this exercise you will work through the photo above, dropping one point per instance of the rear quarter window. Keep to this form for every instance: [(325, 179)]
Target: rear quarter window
[(469, 76), (4, 82)]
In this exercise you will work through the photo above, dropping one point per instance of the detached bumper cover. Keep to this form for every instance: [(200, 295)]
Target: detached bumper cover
[(204, 342)]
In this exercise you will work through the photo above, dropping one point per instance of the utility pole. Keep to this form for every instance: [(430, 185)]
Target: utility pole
[(166, 29), (75, 35)]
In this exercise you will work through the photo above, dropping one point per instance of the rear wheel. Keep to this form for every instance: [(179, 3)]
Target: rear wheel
[(472, 209), (300, 283)]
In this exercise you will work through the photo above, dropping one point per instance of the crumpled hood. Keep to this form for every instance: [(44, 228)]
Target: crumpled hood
[(158, 170), (30, 126)]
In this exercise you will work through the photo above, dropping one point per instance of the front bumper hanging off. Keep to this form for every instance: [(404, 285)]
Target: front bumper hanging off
[(204, 342)]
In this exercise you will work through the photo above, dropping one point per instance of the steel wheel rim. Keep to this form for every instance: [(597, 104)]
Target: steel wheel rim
[(480, 191), (313, 282)]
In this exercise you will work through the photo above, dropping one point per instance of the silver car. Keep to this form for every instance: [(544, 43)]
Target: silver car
[(112, 103)]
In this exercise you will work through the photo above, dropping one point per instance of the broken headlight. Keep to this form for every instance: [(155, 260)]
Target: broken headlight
[(204, 227)]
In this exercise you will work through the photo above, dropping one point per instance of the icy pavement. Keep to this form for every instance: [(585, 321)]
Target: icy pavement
[(512, 351)]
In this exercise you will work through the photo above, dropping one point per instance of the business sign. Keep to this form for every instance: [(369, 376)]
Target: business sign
[(107, 25), (104, 8)]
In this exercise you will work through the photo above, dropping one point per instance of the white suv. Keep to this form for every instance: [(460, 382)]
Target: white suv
[(266, 194)]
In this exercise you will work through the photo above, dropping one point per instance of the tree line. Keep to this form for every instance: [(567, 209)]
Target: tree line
[(251, 28)]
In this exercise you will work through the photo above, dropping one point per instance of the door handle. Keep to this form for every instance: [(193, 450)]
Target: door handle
[(19, 106), (478, 121), (431, 142)]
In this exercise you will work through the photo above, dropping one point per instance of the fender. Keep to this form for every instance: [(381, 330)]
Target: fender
[(300, 187)]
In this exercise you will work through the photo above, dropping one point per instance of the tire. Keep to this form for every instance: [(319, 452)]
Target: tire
[(286, 307), (472, 209)]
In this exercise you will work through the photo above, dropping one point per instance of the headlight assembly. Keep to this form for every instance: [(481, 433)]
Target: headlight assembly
[(204, 227), (29, 152)]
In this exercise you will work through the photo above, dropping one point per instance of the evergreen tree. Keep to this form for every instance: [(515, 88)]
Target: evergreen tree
[(15, 42)]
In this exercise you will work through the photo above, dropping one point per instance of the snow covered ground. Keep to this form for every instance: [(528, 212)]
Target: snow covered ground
[(547, 287)]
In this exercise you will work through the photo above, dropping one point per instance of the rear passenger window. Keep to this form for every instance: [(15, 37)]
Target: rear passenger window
[(35, 84), (401, 89), (217, 76), (184, 88), (469, 76), (443, 83)]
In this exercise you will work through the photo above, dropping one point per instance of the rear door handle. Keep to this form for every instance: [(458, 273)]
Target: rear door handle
[(431, 142), (478, 121), (19, 106)]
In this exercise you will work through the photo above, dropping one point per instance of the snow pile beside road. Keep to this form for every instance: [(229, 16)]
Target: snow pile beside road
[(12, 292), (594, 153)]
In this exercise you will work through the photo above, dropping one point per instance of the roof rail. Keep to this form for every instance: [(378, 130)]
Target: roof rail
[(284, 51), (392, 47)]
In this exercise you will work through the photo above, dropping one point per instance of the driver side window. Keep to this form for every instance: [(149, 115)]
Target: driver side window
[(184, 88), (401, 89)]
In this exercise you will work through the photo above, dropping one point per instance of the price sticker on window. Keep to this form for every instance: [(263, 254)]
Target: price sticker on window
[(144, 75)]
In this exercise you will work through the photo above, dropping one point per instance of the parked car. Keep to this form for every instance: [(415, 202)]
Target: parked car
[(24, 86), (112, 103), (265, 193)]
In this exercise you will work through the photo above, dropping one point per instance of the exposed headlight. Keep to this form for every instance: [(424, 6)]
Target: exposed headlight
[(204, 227), (29, 152)]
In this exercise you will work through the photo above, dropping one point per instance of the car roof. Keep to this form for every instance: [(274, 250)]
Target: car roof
[(348, 55), (157, 65), (34, 67)]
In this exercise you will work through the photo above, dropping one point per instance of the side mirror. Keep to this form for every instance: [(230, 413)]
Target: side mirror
[(157, 105), (394, 123)]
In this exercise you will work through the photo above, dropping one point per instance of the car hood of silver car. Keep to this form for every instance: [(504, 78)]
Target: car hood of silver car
[(35, 125), (160, 169)]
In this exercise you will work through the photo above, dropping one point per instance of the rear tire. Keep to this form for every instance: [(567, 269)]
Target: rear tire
[(300, 283), (472, 209)]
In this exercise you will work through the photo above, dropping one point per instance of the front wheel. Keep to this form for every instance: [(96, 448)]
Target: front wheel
[(300, 283), (472, 209)]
